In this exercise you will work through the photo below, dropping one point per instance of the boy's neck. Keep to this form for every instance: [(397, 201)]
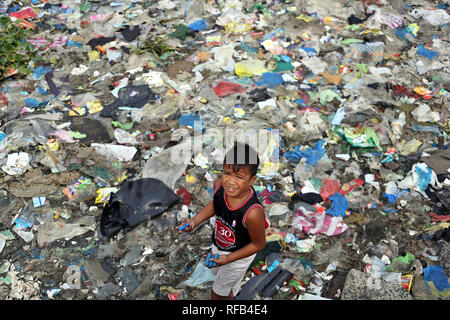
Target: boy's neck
[(234, 202)]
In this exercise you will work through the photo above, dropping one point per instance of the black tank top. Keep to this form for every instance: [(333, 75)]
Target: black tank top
[(230, 231)]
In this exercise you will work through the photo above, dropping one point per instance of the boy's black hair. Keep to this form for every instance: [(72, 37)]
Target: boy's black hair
[(240, 156)]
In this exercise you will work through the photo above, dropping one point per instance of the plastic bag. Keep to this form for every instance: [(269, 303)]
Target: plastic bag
[(436, 279), (329, 188), (249, 68), (134, 203), (423, 113), (419, 178), (223, 56), (312, 155), (201, 276), (198, 25), (424, 52), (17, 163), (366, 139), (131, 97), (339, 206), (401, 264), (169, 165), (270, 79), (224, 88), (115, 152)]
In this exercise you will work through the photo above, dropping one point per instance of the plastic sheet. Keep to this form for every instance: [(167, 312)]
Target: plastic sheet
[(130, 205), (318, 223)]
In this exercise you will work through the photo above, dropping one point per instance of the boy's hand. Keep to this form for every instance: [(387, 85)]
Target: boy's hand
[(215, 260), (186, 226)]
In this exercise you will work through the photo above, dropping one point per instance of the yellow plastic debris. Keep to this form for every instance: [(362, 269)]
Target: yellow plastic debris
[(249, 68), (93, 55)]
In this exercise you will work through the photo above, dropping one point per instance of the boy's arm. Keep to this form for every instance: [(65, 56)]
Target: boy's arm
[(204, 214), (256, 229)]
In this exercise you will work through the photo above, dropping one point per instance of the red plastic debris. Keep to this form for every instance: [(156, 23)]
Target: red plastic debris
[(185, 196), (225, 88)]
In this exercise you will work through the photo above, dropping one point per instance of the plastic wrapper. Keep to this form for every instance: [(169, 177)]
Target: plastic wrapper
[(80, 190)]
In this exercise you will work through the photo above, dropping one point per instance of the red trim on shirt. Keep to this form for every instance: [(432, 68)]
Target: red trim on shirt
[(244, 218), (246, 200), (218, 187)]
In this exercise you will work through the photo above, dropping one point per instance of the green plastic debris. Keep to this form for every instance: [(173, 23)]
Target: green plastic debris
[(85, 7), (5, 267), (261, 8), (124, 126), (8, 234), (244, 81), (317, 183), (352, 27), (401, 263), (372, 135), (6, 280), (361, 67), (366, 139), (180, 32), (97, 171), (312, 95), (284, 66), (77, 135), (349, 41), (328, 95), (166, 55)]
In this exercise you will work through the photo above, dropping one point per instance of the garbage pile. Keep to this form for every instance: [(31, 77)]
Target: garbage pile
[(351, 97)]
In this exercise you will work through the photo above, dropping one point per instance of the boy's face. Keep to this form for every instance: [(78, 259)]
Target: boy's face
[(236, 184)]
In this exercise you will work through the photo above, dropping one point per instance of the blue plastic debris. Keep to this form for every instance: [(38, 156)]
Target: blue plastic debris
[(402, 32), (23, 223), (192, 120), (339, 206), (285, 58), (273, 266), (271, 79), (38, 201), (42, 91), (210, 263), (424, 52), (40, 71), (308, 50), (424, 177), (184, 227), (436, 280), (338, 117), (202, 274), (74, 44), (198, 25), (392, 197), (312, 155), (246, 47), (32, 103)]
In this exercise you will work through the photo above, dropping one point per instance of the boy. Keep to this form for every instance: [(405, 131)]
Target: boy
[(240, 225)]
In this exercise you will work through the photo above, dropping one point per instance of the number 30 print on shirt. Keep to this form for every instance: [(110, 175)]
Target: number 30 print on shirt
[(224, 235)]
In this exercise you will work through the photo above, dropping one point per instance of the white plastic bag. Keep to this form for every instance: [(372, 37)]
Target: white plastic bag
[(17, 163), (115, 152)]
